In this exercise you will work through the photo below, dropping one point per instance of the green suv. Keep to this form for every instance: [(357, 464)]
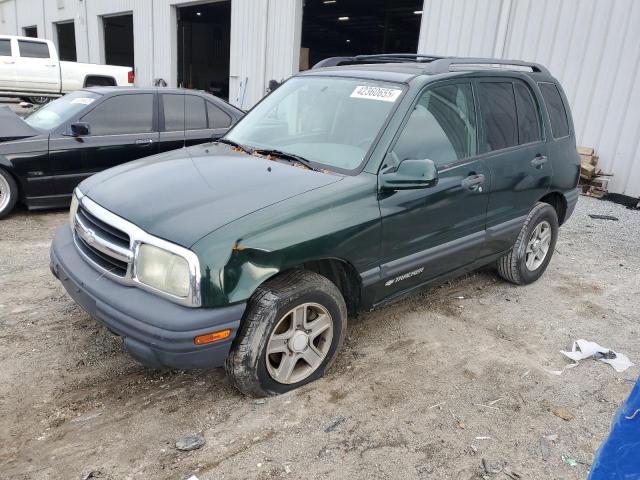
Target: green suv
[(344, 189)]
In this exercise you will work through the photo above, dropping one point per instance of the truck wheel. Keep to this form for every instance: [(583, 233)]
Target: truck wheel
[(8, 193), (532, 251), (39, 100), (292, 329)]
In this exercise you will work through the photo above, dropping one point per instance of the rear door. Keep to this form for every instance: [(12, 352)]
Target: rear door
[(514, 150), (171, 121), (122, 128), (7, 65), (195, 121), (432, 231), (37, 67)]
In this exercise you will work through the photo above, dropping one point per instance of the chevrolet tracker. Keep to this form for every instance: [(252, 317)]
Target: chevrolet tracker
[(349, 186)]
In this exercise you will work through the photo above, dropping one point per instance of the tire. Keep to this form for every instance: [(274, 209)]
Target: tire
[(522, 265), (8, 193), (39, 100), (269, 323)]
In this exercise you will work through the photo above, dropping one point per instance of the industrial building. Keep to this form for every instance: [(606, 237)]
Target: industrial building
[(234, 48)]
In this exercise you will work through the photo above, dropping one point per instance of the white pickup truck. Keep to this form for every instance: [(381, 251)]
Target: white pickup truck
[(30, 69)]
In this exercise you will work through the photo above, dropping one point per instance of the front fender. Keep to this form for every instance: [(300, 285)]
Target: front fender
[(341, 221)]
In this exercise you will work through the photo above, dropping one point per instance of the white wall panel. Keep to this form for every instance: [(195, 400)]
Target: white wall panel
[(591, 46)]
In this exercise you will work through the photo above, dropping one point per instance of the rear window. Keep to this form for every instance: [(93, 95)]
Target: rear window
[(5, 48), (217, 117), (528, 118), (33, 49), (173, 106), (498, 113), (194, 112), (555, 107)]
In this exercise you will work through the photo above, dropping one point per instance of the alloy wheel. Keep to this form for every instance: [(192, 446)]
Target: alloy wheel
[(299, 343), (538, 245)]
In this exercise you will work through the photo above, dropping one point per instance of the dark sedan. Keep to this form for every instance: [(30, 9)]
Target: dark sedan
[(44, 156)]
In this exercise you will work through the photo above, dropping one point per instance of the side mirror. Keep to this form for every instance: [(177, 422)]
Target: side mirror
[(410, 174), (78, 129)]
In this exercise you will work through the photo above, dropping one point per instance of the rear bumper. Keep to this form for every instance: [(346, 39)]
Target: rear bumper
[(572, 200), (156, 332)]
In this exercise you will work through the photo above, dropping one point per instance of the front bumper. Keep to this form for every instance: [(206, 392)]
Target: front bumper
[(156, 332)]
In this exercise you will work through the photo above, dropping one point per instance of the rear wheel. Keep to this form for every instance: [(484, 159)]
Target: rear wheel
[(39, 100), (532, 251), (293, 327), (8, 193)]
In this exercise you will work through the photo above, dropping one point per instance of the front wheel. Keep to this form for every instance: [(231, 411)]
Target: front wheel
[(8, 193), (532, 251), (293, 327)]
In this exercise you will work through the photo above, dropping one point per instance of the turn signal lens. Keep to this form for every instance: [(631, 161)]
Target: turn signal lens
[(212, 337)]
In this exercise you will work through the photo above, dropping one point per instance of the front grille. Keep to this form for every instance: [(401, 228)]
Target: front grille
[(105, 230), (106, 246)]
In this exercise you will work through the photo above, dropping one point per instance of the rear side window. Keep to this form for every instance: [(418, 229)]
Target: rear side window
[(194, 112), (173, 106), (555, 107), (217, 117), (33, 49), (122, 114), (498, 113), (528, 118), (5, 48)]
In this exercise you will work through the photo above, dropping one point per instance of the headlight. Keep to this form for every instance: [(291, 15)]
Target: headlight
[(73, 209), (162, 270)]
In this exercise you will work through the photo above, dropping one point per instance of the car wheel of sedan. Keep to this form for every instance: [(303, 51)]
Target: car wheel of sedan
[(8, 193), (292, 329), (533, 249)]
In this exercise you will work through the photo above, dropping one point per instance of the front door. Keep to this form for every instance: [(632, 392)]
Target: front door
[(515, 153), (122, 128), (37, 67), (429, 232), (7, 65)]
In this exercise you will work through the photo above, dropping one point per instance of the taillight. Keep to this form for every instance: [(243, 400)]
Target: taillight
[(131, 77)]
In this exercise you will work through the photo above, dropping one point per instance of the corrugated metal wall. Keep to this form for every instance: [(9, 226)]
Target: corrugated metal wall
[(591, 46)]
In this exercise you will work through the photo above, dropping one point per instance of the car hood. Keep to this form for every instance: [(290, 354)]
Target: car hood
[(14, 127), (186, 194)]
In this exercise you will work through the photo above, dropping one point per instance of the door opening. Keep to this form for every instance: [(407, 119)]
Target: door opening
[(66, 32), (355, 27), (118, 40), (204, 33)]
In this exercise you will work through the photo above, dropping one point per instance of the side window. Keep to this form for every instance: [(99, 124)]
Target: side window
[(33, 49), (217, 117), (498, 113), (528, 117), (441, 127), (173, 107), (122, 114), (194, 112), (5, 48), (555, 107)]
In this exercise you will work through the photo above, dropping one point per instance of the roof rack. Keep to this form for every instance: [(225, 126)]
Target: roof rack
[(433, 63)]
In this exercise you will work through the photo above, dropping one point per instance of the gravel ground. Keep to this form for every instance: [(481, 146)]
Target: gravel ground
[(432, 387)]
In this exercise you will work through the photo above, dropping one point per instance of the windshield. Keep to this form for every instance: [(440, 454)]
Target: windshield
[(54, 114), (327, 120)]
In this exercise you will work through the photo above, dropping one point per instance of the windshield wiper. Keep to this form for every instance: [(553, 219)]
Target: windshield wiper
[(235, 144), (287, 156)]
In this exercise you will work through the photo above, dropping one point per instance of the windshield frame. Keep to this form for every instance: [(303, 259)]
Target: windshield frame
[(367, 156)]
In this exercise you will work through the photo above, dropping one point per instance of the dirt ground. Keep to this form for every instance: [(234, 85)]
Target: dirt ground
[(424, 389)]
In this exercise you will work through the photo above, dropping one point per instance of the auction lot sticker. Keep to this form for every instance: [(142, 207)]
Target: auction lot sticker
[(376, 93)]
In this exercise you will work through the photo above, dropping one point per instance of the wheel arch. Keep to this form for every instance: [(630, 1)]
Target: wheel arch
[(559, 203)]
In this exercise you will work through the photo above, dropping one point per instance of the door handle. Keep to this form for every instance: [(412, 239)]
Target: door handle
[(473, 182), (51, 66), (145, 142), (539, 161), (8, 62)]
